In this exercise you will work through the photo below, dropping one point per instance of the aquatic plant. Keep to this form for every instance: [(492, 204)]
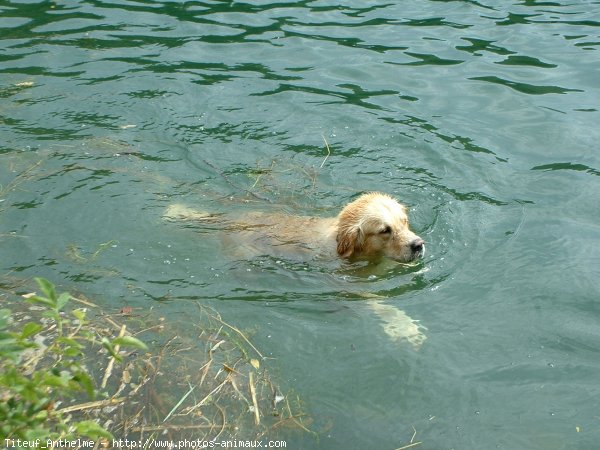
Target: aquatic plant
[(42, 366), (208, 383)]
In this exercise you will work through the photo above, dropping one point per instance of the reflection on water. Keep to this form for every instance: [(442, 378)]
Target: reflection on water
[(480, 116)]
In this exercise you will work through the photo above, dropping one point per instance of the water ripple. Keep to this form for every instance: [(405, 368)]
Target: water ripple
[(567, 166), (526, 88)]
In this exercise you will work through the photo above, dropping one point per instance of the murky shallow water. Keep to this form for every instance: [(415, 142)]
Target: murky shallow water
[(482, 117)]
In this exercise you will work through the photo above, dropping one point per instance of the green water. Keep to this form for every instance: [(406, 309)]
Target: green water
[(481, 116)]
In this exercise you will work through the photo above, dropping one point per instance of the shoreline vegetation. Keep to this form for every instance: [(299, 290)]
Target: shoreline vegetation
[(68, 369)]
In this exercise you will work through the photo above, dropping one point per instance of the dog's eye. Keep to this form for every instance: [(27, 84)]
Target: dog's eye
[(386, 230)]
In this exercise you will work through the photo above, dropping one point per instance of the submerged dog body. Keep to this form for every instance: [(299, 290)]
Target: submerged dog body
[(373, 226)]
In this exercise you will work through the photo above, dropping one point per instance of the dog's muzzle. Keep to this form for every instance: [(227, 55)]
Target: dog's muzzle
[(418, 248)]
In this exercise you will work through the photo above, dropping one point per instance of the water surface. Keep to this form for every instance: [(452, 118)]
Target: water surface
[(482, 117)]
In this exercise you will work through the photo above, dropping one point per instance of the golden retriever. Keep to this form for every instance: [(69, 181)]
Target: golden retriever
[(374, 225)]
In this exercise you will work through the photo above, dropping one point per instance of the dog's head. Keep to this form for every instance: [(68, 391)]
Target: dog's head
[(376, 225)]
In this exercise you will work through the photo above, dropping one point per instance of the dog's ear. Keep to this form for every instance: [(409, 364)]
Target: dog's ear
[(349, 241)]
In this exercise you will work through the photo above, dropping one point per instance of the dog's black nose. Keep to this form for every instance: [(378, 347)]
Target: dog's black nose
[(417, 245)]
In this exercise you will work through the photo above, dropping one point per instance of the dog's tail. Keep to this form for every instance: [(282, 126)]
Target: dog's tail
[(178, 211)]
